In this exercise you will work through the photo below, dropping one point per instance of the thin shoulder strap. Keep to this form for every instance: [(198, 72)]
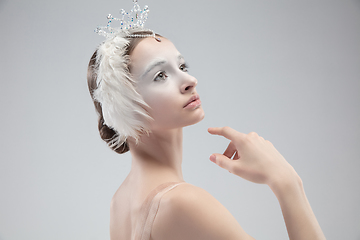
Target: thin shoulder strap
[(149, 210)]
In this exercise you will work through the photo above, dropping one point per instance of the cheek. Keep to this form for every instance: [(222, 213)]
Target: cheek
[(165, 107), (162, 105)]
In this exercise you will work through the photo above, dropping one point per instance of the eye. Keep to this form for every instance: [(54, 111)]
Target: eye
[(184, 67), (160, 76)]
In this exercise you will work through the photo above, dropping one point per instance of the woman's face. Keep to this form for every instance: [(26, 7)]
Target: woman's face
[(165, 85)]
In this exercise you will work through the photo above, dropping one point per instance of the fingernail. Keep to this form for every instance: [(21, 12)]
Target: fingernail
[(213, 158)]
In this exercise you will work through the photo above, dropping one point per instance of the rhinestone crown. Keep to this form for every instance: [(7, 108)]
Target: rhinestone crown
[(132, 20)]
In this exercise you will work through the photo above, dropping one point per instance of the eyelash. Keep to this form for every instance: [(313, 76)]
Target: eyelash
[(162, 75), (184, 67)]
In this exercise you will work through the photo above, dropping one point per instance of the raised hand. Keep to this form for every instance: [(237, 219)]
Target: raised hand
[(251, 157), (256, 159)]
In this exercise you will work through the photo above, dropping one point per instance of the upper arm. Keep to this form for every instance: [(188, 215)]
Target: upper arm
[(189, 212)]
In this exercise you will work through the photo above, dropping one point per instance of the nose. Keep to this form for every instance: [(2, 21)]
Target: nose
[(189, 83)]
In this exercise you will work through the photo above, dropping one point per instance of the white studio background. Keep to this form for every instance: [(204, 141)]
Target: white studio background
[(288, 70)]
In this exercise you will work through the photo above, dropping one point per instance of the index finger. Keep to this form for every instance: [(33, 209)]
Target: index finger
[(227, 132)]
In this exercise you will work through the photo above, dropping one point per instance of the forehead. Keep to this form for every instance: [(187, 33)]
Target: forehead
[(149, 50)]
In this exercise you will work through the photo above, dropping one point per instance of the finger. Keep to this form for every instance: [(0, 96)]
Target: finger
[(222, 161), (269, 142), (227, 132), (230, 150)]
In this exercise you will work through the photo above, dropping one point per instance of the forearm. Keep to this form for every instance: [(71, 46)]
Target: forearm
[(299, 218), (253, 158)]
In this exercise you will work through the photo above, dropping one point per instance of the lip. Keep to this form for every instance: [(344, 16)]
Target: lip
[(193, 102)]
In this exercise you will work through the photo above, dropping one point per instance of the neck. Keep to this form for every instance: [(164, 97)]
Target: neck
[(157, 157)]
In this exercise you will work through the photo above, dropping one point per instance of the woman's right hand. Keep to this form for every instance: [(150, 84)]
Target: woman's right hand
[(256, 159), (252, 158)]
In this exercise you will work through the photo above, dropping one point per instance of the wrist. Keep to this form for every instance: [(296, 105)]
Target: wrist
[(284, 184)]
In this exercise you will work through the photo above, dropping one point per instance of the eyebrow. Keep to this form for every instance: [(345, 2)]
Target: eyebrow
[(153, 65), (157, 63)]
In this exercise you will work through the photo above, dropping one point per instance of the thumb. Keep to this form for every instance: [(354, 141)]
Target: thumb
[(222, 161)]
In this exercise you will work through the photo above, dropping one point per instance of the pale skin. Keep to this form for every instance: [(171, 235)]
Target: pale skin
[(189, 212)]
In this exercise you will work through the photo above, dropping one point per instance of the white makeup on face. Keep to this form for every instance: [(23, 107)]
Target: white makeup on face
[(164, 83), (156, 63)]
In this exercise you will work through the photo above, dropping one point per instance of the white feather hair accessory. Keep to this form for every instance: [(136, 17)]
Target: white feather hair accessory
[(123, 108)]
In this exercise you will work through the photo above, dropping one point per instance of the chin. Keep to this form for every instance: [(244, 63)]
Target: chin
[(199, 116), (202, 115), (181, 121)]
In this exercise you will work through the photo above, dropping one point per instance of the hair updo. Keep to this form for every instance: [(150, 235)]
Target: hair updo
[(121, 109)]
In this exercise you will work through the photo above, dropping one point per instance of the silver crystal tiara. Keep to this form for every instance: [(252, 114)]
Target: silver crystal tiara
[(133, 20)]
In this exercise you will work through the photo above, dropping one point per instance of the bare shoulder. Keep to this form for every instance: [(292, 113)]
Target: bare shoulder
[(190, 212), (120, 225)]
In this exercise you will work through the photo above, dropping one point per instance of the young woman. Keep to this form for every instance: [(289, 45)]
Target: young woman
[(144, 96)]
